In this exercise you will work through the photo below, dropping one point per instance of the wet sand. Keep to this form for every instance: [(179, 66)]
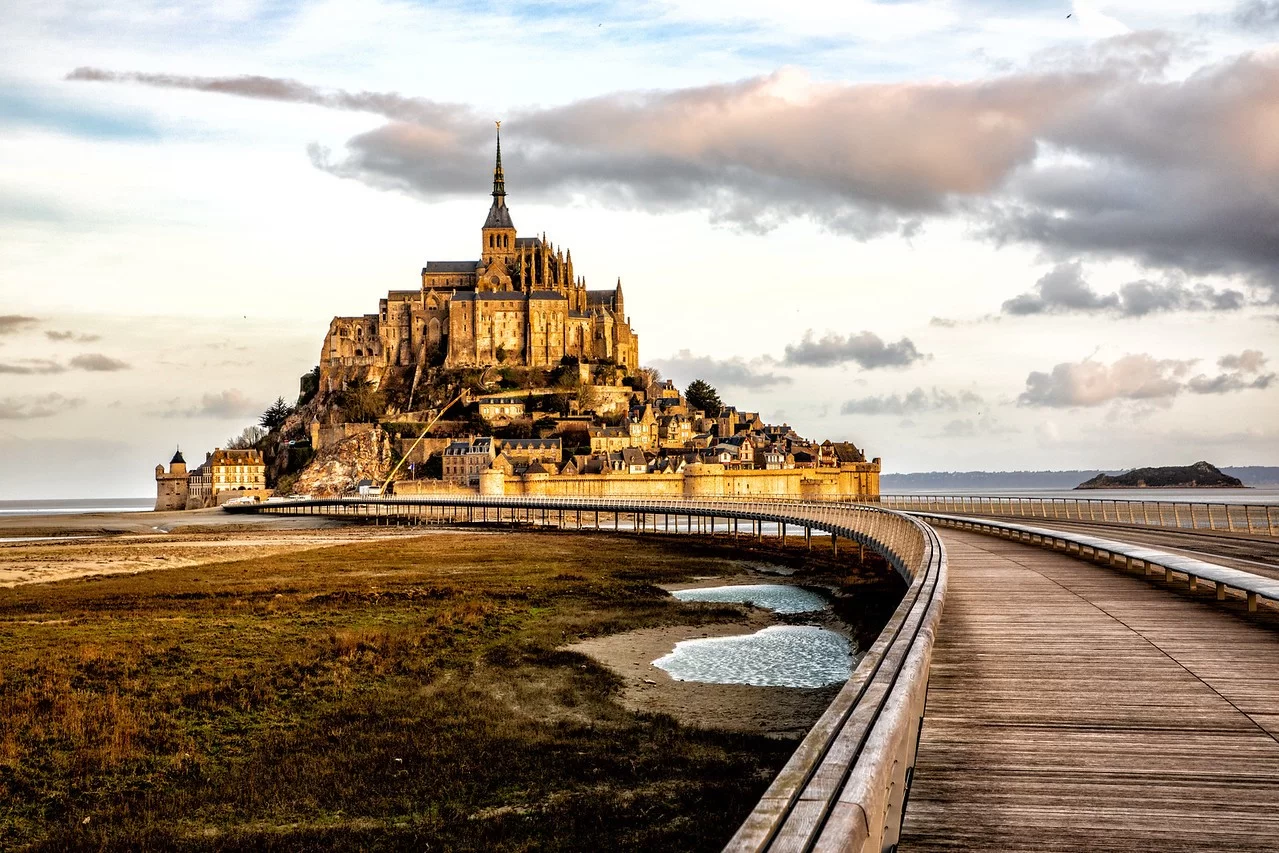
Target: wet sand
[(46, 560), (776, 711)]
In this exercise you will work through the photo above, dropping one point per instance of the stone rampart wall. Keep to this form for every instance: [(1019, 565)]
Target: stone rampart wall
[(850, 482)]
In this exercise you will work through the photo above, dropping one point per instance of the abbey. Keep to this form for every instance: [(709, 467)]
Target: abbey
[(519, 304)]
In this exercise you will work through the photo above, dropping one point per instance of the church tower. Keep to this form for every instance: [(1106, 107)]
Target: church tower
[(498, 234)]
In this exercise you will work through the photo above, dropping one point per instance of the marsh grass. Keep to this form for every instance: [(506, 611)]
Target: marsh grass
[(405, 694)]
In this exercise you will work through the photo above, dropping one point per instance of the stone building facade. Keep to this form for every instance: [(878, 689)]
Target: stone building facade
[(520, 304), (224, 474)]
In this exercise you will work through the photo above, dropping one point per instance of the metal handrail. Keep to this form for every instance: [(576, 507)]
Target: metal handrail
[(1254, 518), (846, 783), (1251, 586)]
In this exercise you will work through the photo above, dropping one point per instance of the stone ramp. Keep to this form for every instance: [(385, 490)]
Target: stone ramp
[(1071, 707)]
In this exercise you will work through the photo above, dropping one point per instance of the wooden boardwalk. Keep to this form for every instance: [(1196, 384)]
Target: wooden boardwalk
[(1071, 707)]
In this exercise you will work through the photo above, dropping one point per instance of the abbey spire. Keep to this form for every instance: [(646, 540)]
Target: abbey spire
[(499, 216)]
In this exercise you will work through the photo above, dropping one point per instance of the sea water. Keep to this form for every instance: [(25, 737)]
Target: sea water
[(780, 656), (780, 598)]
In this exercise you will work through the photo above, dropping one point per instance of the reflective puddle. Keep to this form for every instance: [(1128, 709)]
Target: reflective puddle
[(779, 598), (780, 656)]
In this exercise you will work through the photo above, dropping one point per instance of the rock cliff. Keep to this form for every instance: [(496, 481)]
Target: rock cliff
[(339, 469)]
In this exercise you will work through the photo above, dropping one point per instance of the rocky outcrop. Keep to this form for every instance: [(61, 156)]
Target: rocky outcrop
[(338, 470), (1201, 475)]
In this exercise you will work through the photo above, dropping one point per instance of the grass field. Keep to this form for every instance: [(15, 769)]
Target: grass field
[(391, 695)]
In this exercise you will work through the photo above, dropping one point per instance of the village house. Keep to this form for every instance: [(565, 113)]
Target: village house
[(545, 450), (607, 439), (501, 409), (464, 461)]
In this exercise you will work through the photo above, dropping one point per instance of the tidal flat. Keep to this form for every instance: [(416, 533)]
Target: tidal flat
[(405, 692)]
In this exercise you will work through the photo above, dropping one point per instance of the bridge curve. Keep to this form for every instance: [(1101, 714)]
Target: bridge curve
[(1075, 707), (846, 785)]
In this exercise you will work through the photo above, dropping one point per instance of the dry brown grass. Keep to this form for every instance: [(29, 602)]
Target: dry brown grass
[(407, 694)]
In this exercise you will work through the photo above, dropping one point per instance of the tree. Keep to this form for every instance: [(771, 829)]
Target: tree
[(700, 394), (246, 439), (276, 414), (587, 398), (361, 403)]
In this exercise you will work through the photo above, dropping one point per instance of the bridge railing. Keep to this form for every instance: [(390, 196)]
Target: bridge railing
[(1109, 552), (1186, 515), (846, 785)]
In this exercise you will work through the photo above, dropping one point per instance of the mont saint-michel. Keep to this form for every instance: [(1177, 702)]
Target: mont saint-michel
[(507, 375), (520, 304)]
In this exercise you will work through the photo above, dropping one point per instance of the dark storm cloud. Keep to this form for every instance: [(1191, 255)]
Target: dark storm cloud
[(911, 403), (1063, 290), (866, 349), (11, 324), (684, 366), (44, 406), (1175, 174)]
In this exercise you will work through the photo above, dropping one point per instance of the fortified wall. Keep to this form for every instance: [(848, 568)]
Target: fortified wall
[(849, 482)]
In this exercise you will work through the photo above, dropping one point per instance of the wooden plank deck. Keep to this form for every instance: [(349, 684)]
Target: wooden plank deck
[(1071, 707)]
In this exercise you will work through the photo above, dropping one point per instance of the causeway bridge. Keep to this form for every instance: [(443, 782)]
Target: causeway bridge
[(1046, 683)]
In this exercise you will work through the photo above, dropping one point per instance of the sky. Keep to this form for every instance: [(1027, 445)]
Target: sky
[(963, 234)]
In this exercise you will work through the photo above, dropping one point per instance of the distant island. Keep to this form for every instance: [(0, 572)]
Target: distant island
[(1201, 475)]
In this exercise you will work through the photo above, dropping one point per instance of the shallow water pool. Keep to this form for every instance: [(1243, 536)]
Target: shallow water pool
[(779, 598), (779, 656)]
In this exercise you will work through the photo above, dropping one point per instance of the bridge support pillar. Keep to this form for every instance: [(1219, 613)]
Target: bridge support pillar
[(1221, 591)]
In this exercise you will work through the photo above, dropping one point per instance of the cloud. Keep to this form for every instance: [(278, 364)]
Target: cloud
[(92, 362), (1256, 14), (1249, 361), (225, 405), (1244, 374), (98, 363), (913, 402), (11, 324), (32, 366), (72, 336), (733, 372), (943, 322), (1063, 290), (1091, 383), (1074, 156), (866, 349), (1224, 383), (26, 408)]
